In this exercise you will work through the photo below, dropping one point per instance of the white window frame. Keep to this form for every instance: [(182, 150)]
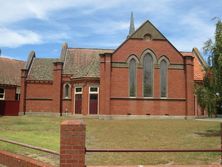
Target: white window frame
[(77, 88), (94, 92), (3, 98), (69, 91)]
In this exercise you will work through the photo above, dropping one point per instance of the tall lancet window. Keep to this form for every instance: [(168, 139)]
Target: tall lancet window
[(147, 75), (132, 77), (163, 78), (66, 91)]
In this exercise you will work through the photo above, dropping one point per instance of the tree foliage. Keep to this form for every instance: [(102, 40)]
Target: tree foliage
[(209, 93)]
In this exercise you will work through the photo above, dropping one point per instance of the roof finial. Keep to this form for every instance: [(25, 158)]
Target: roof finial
[(132, 27)]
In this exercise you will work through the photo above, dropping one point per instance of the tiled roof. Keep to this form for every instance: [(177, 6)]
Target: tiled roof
[(198, 67), (41, 69), (81, 62), (10, 71)]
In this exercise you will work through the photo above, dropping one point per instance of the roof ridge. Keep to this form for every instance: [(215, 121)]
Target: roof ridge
[(11, 58), (93, 48), (185, 51), (46, 58)]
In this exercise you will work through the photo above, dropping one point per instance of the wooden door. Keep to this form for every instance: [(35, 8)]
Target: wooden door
[(93, 104), (78, 104)]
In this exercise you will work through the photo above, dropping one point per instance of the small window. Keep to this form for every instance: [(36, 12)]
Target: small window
[(2, 94), (17, 95), (67, 91), (78, 90), (93, 90), (147, 37)]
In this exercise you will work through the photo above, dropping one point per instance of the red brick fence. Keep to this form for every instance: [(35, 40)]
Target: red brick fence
[(72, 147), (9, 107), (73, 150), (14, 160)]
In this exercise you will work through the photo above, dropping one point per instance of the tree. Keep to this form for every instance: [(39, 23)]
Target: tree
[(209, 93)]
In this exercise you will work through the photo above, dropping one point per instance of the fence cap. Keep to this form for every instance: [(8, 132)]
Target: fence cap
[(72, 122)]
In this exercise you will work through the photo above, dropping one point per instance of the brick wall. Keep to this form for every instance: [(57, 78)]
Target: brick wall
[(179, 82), (72, 143), (10, 93), (12, 160), (39, 90), (39, 97), (148, 107), (57, 87)]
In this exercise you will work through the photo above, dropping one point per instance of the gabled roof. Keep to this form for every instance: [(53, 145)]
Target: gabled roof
[(10, 71), (199, 64), (83, 62), (145, 29), (41, 69)]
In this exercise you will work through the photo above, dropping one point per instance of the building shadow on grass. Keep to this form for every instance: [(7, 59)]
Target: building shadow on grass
[(209, 133)]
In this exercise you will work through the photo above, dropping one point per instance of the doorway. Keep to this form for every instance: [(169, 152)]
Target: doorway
[(78, 100), (93, 100)]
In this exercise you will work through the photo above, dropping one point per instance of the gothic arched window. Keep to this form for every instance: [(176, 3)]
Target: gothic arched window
[(163, 78), (148, 75), (132, 77)]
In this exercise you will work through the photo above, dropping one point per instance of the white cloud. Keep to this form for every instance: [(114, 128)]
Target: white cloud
[(108, 27), (162, 12), (13, 11), (195, 31), (10, 38)]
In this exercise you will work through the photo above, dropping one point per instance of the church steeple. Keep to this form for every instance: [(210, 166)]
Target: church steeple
[(132, 27)]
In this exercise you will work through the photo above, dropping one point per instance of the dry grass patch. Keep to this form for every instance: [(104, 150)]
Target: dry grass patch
[(174, 134)]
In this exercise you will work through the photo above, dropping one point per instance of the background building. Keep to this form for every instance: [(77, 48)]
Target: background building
[(145, 75)]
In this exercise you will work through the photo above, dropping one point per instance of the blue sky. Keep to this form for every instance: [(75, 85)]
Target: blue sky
[(44, 25)]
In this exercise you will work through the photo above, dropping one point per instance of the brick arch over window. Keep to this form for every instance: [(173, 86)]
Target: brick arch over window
[(133, 57), (150, 52), (66, 90), (148, 59), (132, 66), (163, 63)]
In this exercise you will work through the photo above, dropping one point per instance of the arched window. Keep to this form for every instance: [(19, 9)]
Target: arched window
[(163, 78), (66, 91), (132, 77), (148, 75)]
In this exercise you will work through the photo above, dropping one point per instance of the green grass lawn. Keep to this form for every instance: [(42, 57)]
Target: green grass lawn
[(174, 134)]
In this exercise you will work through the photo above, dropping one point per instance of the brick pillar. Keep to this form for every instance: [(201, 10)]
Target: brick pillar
[(22, 103), (72, 143), (85, 99), (105, 83), (189, 76), (57, 87)]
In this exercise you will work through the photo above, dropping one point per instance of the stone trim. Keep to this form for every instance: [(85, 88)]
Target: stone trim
[(38, 98), (40, 81), (148, 98), (156, 66)]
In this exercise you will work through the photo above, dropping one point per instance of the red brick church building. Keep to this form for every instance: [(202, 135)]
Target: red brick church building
[(145, 75)]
